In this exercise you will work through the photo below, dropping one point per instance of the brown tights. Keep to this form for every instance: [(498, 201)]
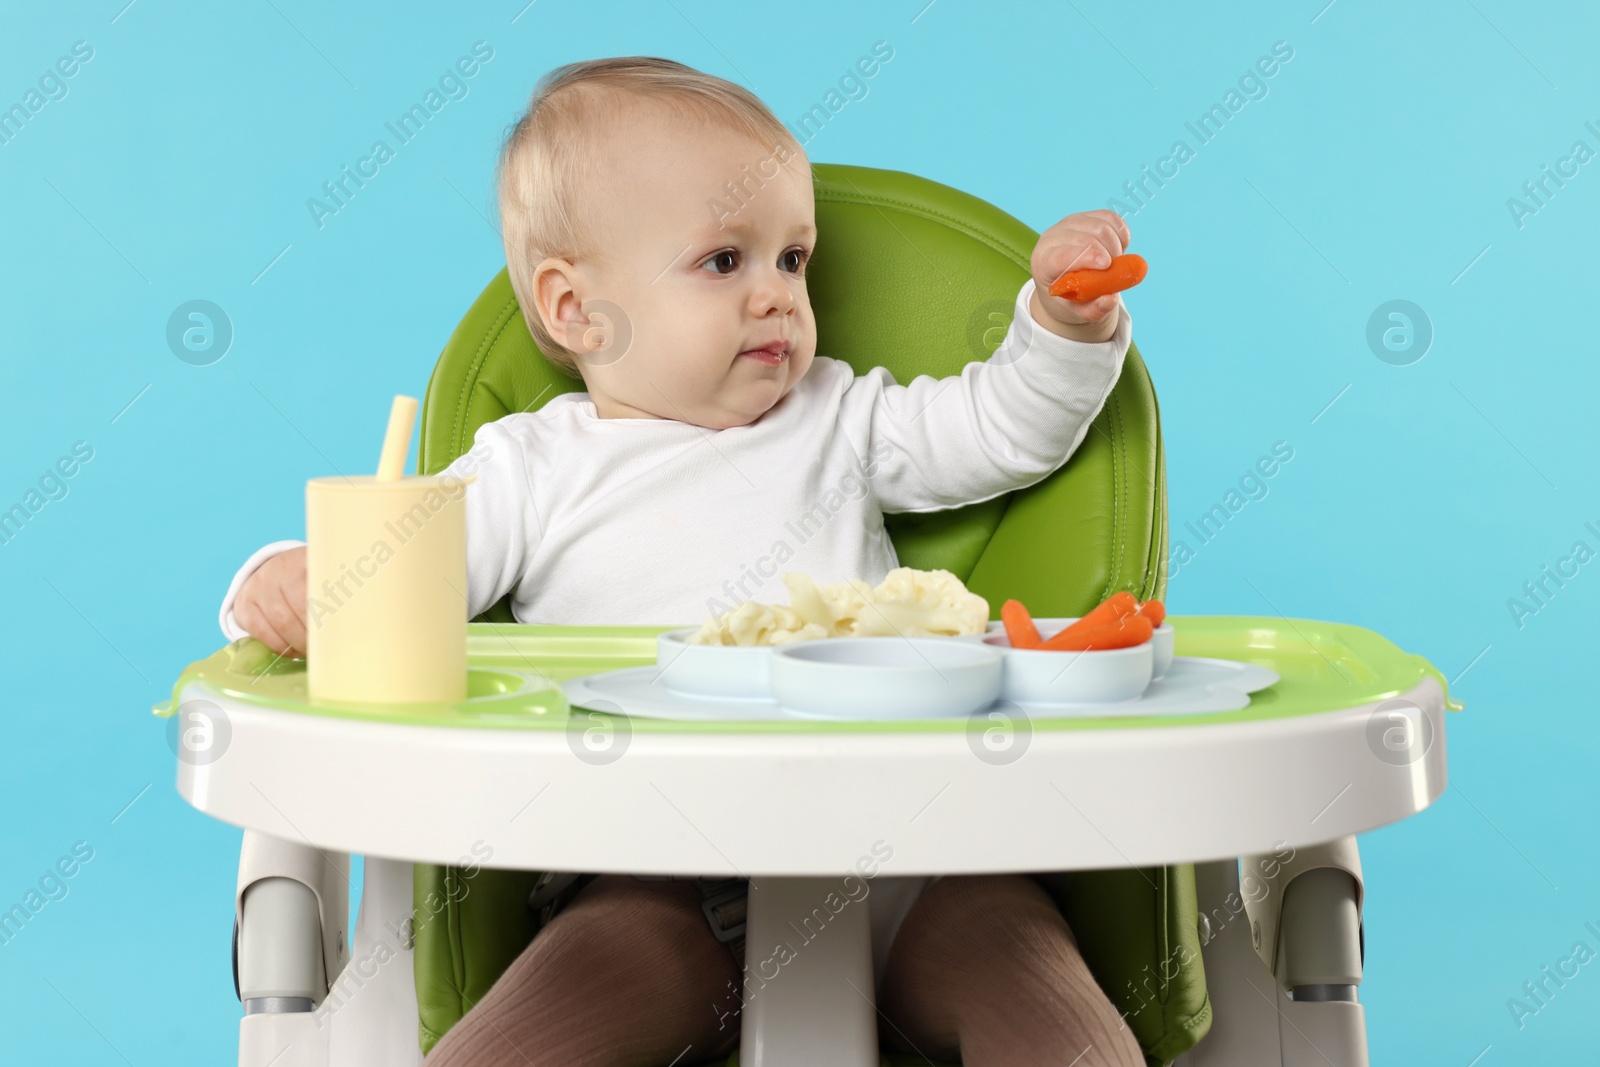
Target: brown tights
[(984, 971)]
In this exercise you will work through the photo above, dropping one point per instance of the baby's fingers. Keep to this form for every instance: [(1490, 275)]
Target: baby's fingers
[(1111, 227), (255, 622), (288, 613), (1097, 248), (1068, 247)]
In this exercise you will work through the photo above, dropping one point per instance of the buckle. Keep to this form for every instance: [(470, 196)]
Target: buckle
[(549, 886), (724, 907)]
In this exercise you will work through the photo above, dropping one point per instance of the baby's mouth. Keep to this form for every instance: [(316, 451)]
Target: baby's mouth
[(771, 354)]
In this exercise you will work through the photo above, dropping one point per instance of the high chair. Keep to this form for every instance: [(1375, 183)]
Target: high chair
[(920, 278)]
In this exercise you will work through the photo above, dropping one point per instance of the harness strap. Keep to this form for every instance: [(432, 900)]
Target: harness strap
[(723, 901)]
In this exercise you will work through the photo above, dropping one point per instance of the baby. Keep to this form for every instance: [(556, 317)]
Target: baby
[(709, 424)]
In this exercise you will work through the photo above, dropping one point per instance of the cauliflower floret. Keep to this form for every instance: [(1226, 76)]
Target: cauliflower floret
[(751, 623), (836, 606), (908, 603), (935, 603)]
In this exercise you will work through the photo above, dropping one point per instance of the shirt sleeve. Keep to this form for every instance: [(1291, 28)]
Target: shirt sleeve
[(503, 521), (1000, 425)]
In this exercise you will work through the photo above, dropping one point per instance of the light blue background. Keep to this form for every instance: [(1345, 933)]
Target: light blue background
[(1378, 167)]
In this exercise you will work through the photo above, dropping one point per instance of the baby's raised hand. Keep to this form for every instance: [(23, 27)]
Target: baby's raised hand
[(1085, 241), (271, 605)]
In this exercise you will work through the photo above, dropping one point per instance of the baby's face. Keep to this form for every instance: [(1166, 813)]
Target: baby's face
[(700, 288)]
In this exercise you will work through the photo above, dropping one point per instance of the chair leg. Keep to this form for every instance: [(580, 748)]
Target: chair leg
[(1244, 998), (291, 910), (278, 961), (326, 875), (1319, 969), (1256, 1021), (809, 987), (371, 1008), (280, 948), (1321, 932), (366, 1014)]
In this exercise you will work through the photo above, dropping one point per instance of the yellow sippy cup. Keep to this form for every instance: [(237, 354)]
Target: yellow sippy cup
[(386, 562)]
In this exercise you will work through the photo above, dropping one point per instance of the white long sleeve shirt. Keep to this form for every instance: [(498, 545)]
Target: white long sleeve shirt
[(587, 521), (584, 520)]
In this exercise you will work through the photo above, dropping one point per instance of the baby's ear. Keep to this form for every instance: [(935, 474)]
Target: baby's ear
[(554, 296)]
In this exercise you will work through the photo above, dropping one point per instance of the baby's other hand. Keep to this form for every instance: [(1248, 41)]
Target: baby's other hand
[(271, 606), (1085, 241)]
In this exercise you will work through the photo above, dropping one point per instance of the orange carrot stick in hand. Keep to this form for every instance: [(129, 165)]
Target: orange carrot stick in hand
[(1020, 630), (1153, 610), (1134, 630), (1081, 286)]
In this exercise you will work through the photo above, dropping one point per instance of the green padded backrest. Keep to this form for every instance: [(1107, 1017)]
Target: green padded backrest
[(919, 278)]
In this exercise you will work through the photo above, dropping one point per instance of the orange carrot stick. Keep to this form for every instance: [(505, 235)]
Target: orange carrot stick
[(1113, 609), (1020, 629), (1081, 286), (1153, 610), (1134, 630)]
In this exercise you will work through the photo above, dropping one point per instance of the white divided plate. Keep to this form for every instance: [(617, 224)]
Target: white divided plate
[(1193, 685), (1236, 674)]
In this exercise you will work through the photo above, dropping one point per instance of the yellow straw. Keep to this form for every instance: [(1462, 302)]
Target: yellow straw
[(397, 440)]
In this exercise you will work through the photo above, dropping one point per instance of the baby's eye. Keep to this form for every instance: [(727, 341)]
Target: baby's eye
[(793, 260), (722, 262)]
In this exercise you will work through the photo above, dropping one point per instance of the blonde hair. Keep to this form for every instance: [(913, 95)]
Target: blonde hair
[(545, 163)]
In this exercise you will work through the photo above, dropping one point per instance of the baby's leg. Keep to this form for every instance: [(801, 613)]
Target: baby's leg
[(627, 974), (985, 971)]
